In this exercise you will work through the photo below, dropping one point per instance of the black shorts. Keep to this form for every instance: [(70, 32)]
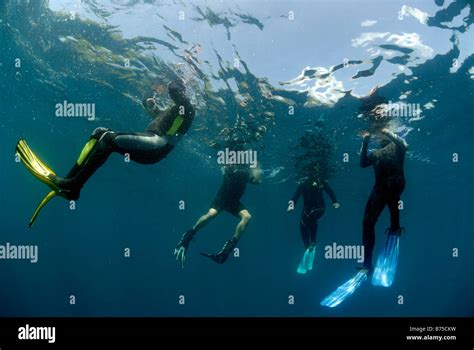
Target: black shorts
[(233, 207)]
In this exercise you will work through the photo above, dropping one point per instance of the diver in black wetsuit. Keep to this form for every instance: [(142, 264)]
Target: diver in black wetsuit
[(388, 162), (147, 147), (228, 198), (313, 207)]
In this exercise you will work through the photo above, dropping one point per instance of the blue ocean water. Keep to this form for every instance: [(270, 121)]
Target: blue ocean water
[(111, 53)]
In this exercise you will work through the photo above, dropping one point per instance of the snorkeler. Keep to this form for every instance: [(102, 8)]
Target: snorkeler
[(228, 198), (388, 162), (147, 147), (313, 209)]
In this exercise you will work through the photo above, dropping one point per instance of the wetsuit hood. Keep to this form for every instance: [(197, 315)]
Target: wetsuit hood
[(177, 89)]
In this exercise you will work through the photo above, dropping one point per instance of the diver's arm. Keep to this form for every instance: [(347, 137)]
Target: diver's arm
[(177, 92), (188, 117), (296, 196), (331, 195), (395, 139), (365, 159), (330, 192), (183, 107)]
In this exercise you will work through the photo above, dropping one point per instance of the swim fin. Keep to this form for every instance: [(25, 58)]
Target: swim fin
[(223, 255), (345, 290), (45, 200), (306, 263), (384, 272), (39, 170), (303, 266), (36, 166)]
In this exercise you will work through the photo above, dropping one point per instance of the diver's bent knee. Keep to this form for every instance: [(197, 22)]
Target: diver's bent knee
[(246, 216), (98, 132), (212, 213)]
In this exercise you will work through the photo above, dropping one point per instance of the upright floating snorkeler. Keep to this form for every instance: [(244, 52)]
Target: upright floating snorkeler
[(228, 197), (147, 147), (388, 164), (313, 209)]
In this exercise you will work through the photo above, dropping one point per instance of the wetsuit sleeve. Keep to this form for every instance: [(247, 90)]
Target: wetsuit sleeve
[(366, 159), (330, 192), (401, 143), (165, 125), (297, 194), (189, 113)]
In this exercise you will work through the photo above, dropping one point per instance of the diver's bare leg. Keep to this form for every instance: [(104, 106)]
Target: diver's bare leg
[(205, 219), (245, 218), (181, 249)]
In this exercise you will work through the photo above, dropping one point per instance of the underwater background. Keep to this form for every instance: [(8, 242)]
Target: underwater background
[(239, 60)]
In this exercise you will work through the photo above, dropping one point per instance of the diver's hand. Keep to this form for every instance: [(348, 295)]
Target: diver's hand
[(366, 135), (180, 253), (388, 133), (336, 205), (150, 103)]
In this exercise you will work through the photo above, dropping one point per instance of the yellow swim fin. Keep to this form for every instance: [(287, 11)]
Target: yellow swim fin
[(35, 165), (39, 170), (45, 200)]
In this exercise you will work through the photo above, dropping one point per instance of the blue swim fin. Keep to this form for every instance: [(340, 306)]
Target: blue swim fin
[(303, 266), (384, 272), (345, 290)]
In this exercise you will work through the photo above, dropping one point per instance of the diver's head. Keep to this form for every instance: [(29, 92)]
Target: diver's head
[(315, 172), (177, 89)]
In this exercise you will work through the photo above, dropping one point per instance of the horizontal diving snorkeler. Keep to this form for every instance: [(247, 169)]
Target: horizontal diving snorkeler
[(388, 164), (313, 209), (147, 147), (228, 198)]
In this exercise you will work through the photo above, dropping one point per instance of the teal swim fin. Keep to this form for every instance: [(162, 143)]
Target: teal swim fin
[(384, 272), (345, 290), (303, 266), (306, 263)]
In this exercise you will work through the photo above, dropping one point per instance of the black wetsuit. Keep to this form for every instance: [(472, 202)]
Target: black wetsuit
[(313, 207), (232, 189), (389, 184), (147, 147)]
